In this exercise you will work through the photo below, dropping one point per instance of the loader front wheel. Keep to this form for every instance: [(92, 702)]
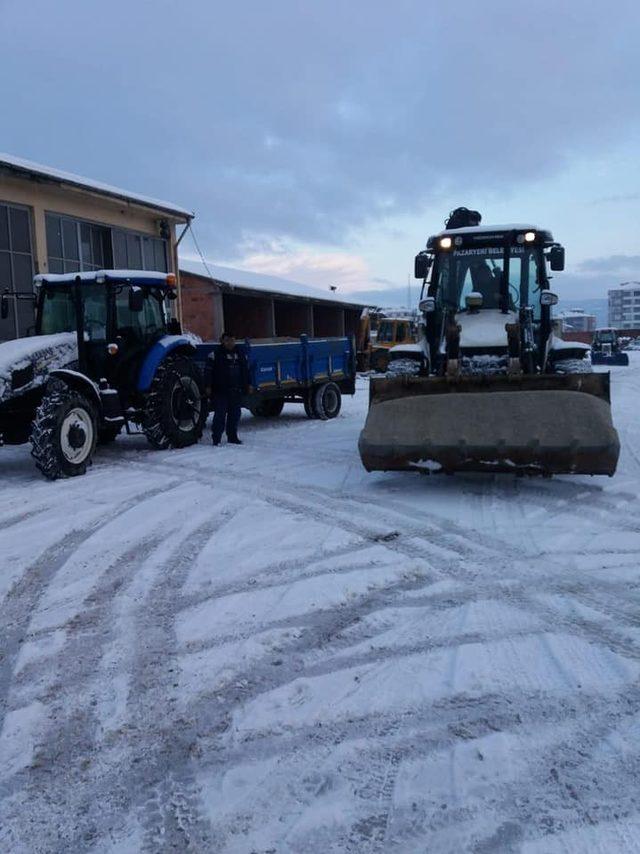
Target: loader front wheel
[(327, 401), (63, 433), (175, 410)]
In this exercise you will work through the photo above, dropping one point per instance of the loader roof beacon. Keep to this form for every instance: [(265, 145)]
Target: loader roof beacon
[(498, 392), (103, 358)]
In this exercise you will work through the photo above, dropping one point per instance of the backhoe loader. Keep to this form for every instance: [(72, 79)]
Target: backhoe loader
[(501, 392)]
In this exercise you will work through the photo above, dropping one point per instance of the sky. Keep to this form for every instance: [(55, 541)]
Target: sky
[(323, 141)]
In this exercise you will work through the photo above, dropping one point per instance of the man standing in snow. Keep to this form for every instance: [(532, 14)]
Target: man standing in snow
[(227, 380)]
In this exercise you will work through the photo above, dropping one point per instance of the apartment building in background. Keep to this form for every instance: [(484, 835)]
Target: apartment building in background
[(624, 306)]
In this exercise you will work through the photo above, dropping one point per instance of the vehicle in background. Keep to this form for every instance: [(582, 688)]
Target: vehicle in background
[(376, 339), (606, 348)]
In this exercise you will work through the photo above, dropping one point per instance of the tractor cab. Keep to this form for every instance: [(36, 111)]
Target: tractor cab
[(116, 314)]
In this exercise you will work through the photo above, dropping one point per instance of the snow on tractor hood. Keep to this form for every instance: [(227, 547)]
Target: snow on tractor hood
[(26, 362), (484, 328)]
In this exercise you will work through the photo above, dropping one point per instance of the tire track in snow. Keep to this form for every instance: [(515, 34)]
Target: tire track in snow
[(23, 598)]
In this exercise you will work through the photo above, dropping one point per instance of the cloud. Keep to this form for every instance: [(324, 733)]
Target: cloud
[(621, 198), (307, 121), (613, 265), (321, 269)]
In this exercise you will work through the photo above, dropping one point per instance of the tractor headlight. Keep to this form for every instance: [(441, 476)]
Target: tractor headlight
[(529, 236), (445, 243)]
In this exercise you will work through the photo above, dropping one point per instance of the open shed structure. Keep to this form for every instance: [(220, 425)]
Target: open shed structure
[(250, 305)]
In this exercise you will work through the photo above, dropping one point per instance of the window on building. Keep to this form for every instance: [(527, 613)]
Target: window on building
[(16, 268), (133, 251), (74, 246)]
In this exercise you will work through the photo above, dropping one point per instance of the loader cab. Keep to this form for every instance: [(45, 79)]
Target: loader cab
[(502, 269), (117, 315)]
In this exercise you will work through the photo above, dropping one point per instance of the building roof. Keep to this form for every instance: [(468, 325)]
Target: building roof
[(248, 280), (626, 286), (57, 176)]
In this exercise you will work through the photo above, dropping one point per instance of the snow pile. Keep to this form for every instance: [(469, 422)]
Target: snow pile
[(43, 353), (484, 364), (403, 367)]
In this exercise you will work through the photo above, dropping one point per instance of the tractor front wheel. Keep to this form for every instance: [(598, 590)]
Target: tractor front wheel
[(175, 409), (63, 433)]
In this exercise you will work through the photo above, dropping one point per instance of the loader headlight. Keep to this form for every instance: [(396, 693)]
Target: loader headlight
[(529, 236), (445, 243)]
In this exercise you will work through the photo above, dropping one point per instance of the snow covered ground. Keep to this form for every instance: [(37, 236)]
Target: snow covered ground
[(265, 649)]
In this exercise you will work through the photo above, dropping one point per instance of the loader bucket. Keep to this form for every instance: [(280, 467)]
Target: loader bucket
[(548, 424)]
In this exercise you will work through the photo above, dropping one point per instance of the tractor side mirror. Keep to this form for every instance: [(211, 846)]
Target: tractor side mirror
[(556, 258), (427, 305), (136, 300), (4, 307), (421, 266), (548, 298)]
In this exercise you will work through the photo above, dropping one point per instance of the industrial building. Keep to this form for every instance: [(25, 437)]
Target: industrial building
[(577, 320), (255, 306), (57, 222)]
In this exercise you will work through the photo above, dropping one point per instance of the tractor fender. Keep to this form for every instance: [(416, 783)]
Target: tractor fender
[(160, 350), (79, 382)]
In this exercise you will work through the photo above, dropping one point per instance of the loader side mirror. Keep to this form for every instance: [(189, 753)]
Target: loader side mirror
[(427, 305), (4, 307), (548, 298), (421, 265), (556, 258), (136, 300)]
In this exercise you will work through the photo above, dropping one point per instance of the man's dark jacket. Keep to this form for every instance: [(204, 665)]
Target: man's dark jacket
[(227, 372)]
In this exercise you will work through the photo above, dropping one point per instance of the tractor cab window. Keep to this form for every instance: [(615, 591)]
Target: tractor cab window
[(401, 332), (58, 312), (140, 325), (482, 270)]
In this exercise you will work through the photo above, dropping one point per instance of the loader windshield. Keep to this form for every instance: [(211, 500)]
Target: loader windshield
[(483, 270)]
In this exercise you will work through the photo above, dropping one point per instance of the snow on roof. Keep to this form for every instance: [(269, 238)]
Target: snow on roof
[(487, 229), (107, 275), (20, 165), (626, 286), (575, 312), (263, 282)]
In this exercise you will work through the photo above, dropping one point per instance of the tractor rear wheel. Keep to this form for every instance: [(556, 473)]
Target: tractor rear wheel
[(175, 410), (63, 433)]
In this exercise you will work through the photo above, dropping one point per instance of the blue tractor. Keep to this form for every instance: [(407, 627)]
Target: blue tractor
[(105, 357)]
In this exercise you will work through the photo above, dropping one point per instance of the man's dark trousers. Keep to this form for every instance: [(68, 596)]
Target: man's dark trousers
[(226, 415)]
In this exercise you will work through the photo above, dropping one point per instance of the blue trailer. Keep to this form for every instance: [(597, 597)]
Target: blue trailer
[(315, 372)]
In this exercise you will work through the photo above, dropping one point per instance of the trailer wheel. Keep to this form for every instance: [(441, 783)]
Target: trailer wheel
[(175, 410), (327, 401), (270, 408), (308, 403), (63, 433)]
